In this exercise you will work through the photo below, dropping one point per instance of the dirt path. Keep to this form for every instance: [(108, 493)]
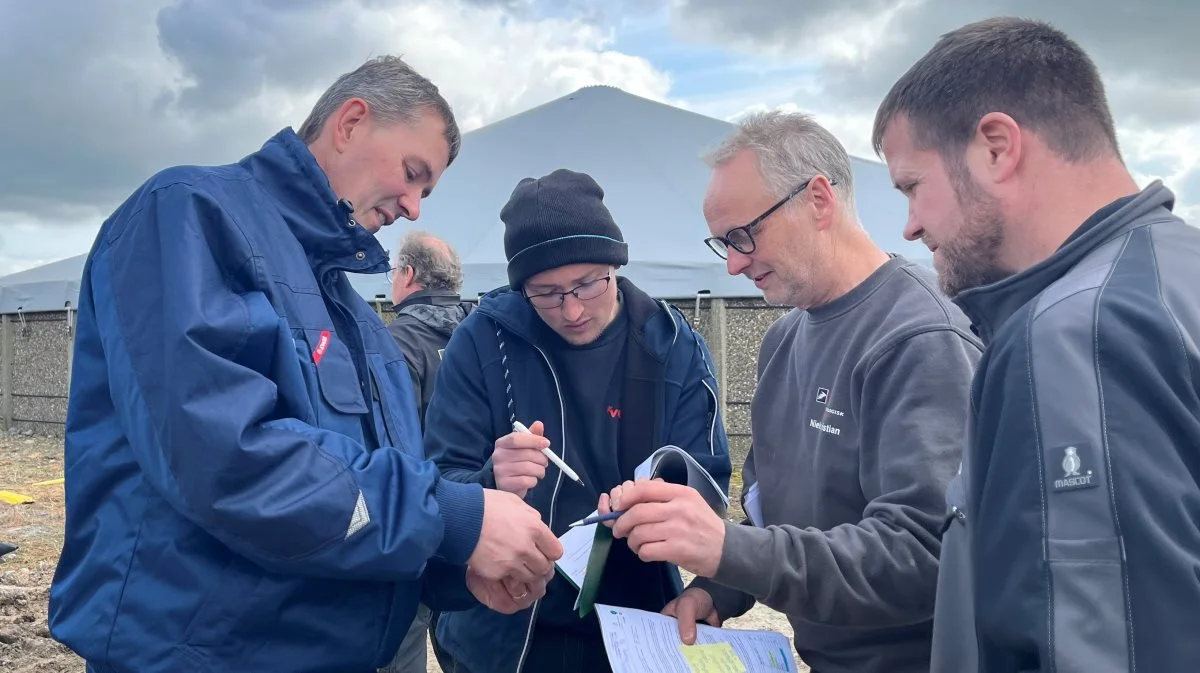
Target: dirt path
[(25, 575)]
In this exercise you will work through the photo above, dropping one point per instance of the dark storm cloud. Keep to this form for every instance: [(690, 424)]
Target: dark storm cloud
[(232, 50), (98, 96), (90, 102)]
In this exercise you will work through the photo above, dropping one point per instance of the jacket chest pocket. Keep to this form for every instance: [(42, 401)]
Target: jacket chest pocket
[(333, 383)]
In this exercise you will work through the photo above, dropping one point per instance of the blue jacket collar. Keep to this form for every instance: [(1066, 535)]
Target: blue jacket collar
[(989, 306), (286, 169), (512, 311)]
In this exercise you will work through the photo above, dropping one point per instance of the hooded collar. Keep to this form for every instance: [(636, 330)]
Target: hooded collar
[(989, 306), (431, 297), (288, 171)]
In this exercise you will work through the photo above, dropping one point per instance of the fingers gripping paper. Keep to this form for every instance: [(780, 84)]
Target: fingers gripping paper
[(645, 642), (674, 465), (585, 549)]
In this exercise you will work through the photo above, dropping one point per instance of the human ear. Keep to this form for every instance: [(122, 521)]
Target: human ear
[(824, 200), (347, 121), (999, 143)]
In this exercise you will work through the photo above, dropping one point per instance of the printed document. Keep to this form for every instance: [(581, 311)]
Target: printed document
[(646, 642)]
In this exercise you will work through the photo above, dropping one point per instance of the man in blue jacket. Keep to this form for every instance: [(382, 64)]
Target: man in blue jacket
[(1072, 540), (603, 375), (245, 482)]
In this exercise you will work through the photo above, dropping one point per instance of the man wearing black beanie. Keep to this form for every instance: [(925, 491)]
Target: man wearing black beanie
[(603, 375)]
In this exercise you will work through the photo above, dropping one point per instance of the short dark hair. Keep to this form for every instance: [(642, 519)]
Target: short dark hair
[(396, 93), (434, 268), (1024, 68)]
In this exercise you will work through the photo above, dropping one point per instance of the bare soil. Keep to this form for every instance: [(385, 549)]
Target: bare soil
[(37, 529)]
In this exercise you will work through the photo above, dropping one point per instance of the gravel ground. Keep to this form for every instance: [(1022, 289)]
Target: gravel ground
[(25, 575), (36, 528)]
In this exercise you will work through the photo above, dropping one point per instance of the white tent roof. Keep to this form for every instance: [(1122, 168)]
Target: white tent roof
[(50, 287), (646, 156)]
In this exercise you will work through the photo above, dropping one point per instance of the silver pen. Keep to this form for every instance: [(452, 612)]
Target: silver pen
[(566, 469)]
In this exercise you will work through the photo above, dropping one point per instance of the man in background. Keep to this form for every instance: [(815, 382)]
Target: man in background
[(1074, 543), (425, 284), (857, 422)]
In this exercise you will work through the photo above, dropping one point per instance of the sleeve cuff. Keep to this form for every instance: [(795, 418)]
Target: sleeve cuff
[(461, 507), (742, 557), (729, 603)]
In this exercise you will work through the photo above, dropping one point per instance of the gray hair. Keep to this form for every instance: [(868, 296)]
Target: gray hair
[(434, 268), (791, 147), (394, 93)]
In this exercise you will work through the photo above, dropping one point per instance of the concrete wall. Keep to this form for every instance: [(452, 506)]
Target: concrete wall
[(35, 353)]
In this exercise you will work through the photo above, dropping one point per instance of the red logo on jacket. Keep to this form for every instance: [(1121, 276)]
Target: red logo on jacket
[(322, 344)]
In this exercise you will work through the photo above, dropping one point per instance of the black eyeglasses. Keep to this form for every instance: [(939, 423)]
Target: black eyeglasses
[(742, 238), (583, 291)]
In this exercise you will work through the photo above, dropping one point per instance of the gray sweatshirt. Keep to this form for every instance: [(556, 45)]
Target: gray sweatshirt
[(858, 424)]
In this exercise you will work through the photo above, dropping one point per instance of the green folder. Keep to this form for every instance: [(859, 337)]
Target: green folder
[(595, 570)]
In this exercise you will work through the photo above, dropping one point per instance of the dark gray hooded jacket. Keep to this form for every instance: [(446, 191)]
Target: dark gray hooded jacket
[(422, 327), (1073, 542)]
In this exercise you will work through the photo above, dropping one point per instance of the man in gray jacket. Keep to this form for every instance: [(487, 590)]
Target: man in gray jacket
[(1075, 537), (857, 423)]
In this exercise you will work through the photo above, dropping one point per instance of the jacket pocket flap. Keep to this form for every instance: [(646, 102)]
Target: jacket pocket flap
[(336, 373), (1095, 550)]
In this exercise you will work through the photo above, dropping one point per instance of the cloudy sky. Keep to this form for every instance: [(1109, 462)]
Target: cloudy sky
[(98, 95)]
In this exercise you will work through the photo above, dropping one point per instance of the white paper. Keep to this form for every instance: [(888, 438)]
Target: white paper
[(646, 642), (752, 506), (697, 477), (577, 547)]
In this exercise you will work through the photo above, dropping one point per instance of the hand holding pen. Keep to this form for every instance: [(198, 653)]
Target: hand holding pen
[(520, 459)]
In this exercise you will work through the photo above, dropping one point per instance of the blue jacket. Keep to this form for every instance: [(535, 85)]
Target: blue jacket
[(1074, 535), (670, 397), (245, 487)]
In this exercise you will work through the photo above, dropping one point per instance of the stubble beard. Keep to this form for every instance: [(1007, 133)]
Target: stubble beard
[(972, 259)]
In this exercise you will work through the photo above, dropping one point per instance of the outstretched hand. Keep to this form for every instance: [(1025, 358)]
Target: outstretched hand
[(668, 522)]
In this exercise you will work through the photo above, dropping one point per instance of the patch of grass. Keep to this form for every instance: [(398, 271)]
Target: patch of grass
[(36, 528)]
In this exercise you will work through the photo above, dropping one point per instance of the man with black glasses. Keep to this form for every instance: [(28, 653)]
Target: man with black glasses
[(857, 423), (603, 375)]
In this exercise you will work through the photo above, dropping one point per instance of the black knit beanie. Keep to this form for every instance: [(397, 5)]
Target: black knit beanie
[(556, 220)]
